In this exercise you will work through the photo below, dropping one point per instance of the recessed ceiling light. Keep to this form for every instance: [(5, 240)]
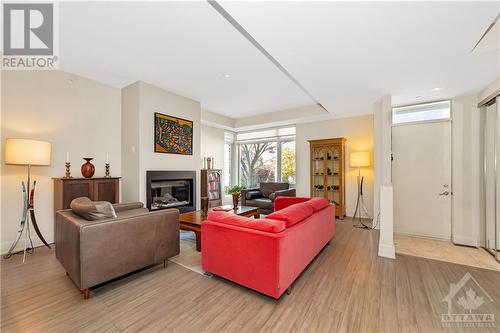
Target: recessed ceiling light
[(418, 97), (227, 75), (437, 88)]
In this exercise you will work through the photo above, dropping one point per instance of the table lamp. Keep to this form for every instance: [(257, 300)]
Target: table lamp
[(357, 160), (30, 153)]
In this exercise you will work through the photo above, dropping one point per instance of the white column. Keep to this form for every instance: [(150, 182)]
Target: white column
[(383, 144)]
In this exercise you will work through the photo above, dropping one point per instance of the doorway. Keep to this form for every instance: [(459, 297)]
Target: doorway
[(421, 170)]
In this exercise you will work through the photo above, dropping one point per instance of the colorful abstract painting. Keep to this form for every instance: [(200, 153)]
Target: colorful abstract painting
[(173, 135)]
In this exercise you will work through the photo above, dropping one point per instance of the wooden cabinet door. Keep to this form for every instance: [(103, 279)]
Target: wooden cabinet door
[(75, 189), (106, 190)]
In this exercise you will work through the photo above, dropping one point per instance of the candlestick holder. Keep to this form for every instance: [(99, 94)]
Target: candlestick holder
[(106, 174), (67, 173)]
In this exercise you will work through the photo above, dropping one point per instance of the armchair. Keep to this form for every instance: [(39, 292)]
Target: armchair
[(264, 195), (93, 252)]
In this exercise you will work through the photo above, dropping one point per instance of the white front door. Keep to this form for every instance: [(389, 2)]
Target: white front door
[(421, 176)]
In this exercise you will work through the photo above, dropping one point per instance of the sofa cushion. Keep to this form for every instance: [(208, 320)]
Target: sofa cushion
[(293, 214), (266, 225), (92, 210), (267, 188), (252, 195), (131, 212), (317, 203), (260, 202)]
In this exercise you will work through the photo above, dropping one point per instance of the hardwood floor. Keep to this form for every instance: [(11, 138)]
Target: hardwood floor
[(347, 288)]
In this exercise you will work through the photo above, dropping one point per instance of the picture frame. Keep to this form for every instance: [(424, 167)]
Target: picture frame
[(172, 135)]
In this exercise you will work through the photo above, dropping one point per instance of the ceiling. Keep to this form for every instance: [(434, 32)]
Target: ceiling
[(346, 54)]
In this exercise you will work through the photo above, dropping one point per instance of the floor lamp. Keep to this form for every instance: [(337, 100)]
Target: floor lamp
[(29, 153), (358, 160)]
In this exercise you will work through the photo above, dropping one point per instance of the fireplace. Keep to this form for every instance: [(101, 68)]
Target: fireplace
[(171, 189)]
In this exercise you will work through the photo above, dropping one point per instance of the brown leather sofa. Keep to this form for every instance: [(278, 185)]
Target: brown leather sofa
[(93, 252), (263, 196)]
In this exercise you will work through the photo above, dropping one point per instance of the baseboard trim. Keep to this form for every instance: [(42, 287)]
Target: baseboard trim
[(20, 245), (387, 251), (467, 241)]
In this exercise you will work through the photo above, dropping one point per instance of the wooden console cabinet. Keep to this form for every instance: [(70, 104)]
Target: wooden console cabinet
[(96, 189)]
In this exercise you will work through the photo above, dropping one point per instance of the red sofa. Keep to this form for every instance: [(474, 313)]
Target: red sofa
[(268, 254)]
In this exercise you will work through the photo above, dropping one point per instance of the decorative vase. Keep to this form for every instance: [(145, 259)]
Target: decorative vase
[(88, 168), (236, 199)]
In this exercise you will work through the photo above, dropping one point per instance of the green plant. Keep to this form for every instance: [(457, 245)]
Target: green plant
[(235, 189)]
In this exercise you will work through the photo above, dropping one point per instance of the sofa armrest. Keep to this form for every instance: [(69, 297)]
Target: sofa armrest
[(67, 241), (120, 207), (244, 192), (246, 256), (283, 193), (283, 202)]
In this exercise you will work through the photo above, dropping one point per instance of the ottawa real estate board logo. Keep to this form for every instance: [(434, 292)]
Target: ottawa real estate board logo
[(466, 302), (29, 36)]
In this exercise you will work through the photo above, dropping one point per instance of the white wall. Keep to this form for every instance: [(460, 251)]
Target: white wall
[(82, 118), (130, 143), (212, 145), (359, 134), (152, 99)]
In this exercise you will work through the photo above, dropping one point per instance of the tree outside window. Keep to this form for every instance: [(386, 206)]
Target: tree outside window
[(288, 162), (257, 163)]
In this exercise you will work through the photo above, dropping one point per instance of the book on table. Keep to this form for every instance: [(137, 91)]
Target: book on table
[(225, 208)]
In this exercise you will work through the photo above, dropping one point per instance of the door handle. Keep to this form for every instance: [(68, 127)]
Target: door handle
[(444, 193)]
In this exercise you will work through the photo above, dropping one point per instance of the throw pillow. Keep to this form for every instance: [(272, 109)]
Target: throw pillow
[(252, 195), (293, 214), (92, 210), (318, 203)]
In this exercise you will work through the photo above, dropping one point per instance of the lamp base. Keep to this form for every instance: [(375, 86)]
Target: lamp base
[(25, 224), (360, 204)]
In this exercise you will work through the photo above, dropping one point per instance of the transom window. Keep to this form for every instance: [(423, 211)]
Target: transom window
[(421, 112)]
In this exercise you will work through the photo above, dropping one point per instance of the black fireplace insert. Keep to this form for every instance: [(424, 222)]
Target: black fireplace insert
[(171, 189)]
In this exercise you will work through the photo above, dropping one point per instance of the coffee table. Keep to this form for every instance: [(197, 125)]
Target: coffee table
[(191, 221)]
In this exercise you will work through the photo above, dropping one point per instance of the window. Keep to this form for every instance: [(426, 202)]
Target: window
[(257, 163), (228, 156), (421, 112), (267, 156), (227, 164), (288, 162)]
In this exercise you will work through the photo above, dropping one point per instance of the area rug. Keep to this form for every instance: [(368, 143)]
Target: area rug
[(188, 256)]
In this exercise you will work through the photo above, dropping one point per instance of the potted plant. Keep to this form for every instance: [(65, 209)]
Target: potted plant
[(235, 191)]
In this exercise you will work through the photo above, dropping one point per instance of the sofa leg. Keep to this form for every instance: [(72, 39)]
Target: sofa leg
[(289, 290), (165, 263), (86, 293), (67, 274)]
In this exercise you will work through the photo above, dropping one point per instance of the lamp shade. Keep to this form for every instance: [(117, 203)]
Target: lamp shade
[(359, 159), (25, 151)]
